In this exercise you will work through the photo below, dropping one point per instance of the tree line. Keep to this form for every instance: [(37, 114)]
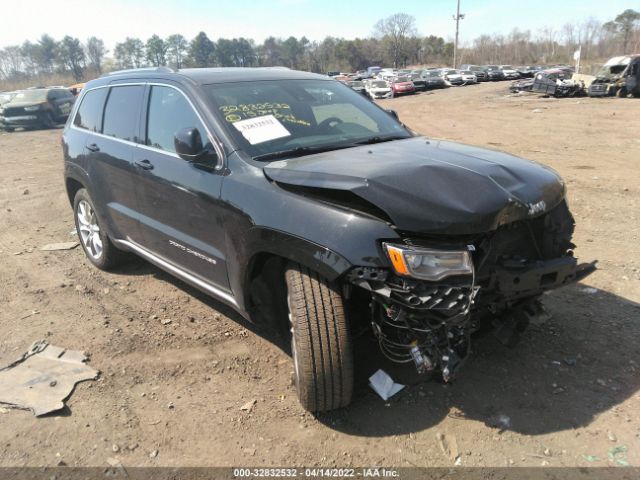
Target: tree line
[(395, 41)]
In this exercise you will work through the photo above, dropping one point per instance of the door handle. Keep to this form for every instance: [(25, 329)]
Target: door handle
[(93, 147), (144, 164)]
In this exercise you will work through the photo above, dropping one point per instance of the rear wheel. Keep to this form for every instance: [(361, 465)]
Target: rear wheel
[(94, 240), (320, 341)]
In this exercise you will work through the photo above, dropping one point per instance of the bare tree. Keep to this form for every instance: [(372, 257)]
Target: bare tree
[(96, 52), (395, 32)]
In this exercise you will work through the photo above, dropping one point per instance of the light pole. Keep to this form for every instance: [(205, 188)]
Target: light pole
[(457, 17)]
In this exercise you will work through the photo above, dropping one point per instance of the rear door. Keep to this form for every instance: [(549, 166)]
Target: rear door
[(109, 153), (180, 211)]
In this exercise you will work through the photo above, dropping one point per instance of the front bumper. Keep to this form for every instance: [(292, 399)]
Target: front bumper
[(21, 121), (533, 278), (380, 94)]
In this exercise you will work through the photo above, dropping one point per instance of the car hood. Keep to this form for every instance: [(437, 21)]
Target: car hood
[(428, 186)]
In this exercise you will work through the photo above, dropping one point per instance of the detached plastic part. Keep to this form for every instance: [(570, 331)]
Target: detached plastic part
[(42, 378)]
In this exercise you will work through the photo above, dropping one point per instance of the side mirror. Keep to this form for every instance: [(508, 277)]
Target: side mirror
[(393, 113), (188, 143), (189, 147)]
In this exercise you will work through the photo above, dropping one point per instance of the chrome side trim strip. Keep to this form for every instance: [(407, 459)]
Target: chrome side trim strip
[(187, 277)]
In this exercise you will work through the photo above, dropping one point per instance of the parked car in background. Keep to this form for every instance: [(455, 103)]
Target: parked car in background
[(432, 79), (387, 74), (510, 73), (378, 89), (494, 72), (37, 107), (528, 71), (619, 76), (358, 86), (480, 73), (402, 86), (418, 81), (451, 76), (468, 77)]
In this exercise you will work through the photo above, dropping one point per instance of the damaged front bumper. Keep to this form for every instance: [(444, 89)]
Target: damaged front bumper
[(429, 323)]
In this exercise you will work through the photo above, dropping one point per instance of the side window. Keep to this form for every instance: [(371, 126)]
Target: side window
[(52, 95), (89, 115), (121, 112), (169, 111)]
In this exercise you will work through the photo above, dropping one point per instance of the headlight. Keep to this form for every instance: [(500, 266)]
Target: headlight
[(429, 264), (32, 109)]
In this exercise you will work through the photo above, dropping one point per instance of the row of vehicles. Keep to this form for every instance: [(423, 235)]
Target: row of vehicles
[(377, 82), (40, 107)]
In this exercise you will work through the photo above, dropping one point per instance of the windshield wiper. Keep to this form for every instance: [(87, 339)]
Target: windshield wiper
[(372, 140), (300, 151)]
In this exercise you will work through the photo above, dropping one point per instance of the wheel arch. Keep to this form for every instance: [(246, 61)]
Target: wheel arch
[(265, 266)]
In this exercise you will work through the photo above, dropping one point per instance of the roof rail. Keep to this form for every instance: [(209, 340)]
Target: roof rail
[(141, 70)]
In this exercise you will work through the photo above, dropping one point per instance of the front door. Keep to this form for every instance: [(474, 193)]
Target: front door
[(179, 203)]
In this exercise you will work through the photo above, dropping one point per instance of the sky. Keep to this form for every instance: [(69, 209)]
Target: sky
[(113, 20)]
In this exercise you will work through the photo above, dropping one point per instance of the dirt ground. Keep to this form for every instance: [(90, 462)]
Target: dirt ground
[(176, 367)]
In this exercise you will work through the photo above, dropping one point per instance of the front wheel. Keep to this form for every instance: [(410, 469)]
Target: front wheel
[(320, 341)]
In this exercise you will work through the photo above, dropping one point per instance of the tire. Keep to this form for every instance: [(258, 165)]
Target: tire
[(49, 121), (9, 129), (622, 93), (94, 239), (320, 341)]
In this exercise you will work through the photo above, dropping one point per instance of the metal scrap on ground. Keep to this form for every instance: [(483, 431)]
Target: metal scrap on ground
[(42, 378)]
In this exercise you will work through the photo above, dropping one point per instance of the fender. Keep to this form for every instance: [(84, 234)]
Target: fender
[(73, 171)]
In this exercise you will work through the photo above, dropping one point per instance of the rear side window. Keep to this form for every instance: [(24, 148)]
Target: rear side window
[(121, 112), (89, 114), (169, 111)]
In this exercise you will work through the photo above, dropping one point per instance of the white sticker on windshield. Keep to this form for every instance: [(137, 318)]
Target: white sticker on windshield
[(261, 129)]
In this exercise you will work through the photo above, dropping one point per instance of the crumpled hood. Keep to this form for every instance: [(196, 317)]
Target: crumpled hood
[(428, 186)]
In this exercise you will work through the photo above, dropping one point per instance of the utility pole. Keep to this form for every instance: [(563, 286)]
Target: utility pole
[(457, 17)]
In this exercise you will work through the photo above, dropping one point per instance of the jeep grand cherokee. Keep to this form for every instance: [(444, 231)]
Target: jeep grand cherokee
[(292, 198)]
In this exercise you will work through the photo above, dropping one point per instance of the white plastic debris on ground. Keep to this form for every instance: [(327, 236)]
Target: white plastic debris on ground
[(52, 247), (384, 385), (42, 378)]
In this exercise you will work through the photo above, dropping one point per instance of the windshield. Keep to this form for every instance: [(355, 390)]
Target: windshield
[(30, 96), (466, 72), (379, 84), (452, 72), (356, 84), (430, 73), (272, 118), (401, 80)]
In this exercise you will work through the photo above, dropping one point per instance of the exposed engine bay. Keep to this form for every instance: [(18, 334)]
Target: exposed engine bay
[(429, 323)]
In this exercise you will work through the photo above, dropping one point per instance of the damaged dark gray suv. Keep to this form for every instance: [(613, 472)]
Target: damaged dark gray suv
[(297, 201)]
